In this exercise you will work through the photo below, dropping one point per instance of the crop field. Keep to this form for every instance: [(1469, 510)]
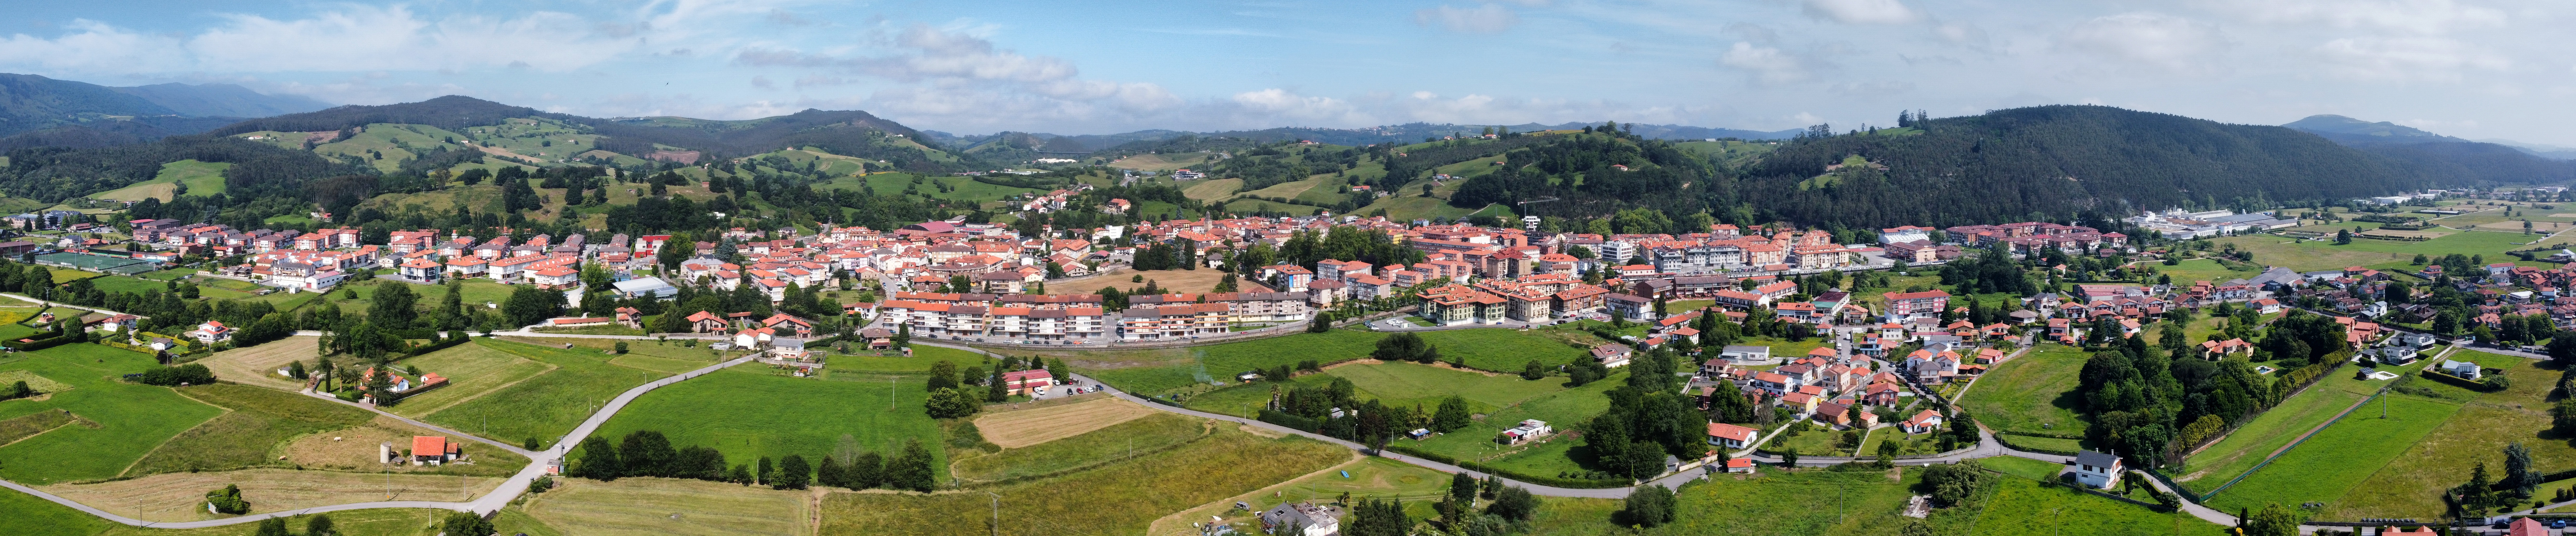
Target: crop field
[(1214, 189), (2032, 393), (1020, 428), (261, 421), (1115, 443), (2478, 433), (748, 412), (2327, 466), (1121, 498), (1163, 162), (132, 418), (548, 405), (1155, 372), (472, 370), (656, 506), (182, 496), (257, 365)]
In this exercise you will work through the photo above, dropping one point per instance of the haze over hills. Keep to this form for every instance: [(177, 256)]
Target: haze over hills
[(1405, 133), (38, 111)]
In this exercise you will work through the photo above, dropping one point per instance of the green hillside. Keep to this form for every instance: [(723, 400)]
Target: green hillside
[(200, 179)]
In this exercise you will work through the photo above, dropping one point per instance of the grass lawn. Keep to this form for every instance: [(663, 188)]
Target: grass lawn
[(1396, 384), (2323, 255), (2325, 467), (1562, 409), (2186, 272), (1793, 503), (472, 370), (546, 406), (25, 515), (1145, 435), (2032, 393), (2478, 433), (1415, 486), (127, 284), (920, 361), (2024, 467), (262, 420), (202, 179), (748, 412), (1122, 498), (132, 418), (657, 506), (2253, 441), (1816, 441), (2025, 507)]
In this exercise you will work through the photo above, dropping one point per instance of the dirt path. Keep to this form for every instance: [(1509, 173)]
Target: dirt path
[(1172, 524)]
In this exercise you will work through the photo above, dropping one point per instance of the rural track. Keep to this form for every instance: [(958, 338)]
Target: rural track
[(491, 501)]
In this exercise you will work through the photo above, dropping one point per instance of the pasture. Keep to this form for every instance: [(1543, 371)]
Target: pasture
[(1111, 444), (201, 178), (472, 370), (353, 448), (2478, 433), (2325, 467), (1162, 371), (1562, 409), (260, 422), (1375, 477), (257, 365), (1049, 422), (2032, 393), (658, 506), (1120, 498), (1191, 281), (2307, 255), (548, 405), (1395, 384), (132, 419), (2024, 507), (748, 412)]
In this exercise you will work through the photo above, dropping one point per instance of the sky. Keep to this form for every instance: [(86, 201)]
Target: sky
[(2473, 69)]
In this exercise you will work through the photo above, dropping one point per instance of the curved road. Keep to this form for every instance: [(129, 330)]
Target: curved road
[(492, 501)]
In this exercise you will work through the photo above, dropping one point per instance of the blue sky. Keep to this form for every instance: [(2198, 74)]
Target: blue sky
[(2469, 68)]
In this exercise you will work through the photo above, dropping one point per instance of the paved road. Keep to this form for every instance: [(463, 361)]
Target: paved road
[(491, 501), (61, 304)]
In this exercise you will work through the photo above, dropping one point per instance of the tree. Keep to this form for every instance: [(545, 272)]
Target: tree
[(466, 524), (528, 306), (392, 305), (1377, 517), (910, 469), (228, 500), (1534, 370), (1513, 503), (319, 525), (2273, 520), (793, 473), (1402, 346), (1452, 415), (275, 526), (2562, 348), (1955, 484), (1462, 488), (2343, 236), (646, 453), (865, 470), (2518, 470), (952, 403), (598, 460), (943, 375), (1649, 506)]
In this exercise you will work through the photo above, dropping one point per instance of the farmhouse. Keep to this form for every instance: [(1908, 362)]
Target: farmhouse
[(435, 450), (1301, 519), (1027, 381), (1612, 355), (1731, 436), (2097, 469), (1528, 429)]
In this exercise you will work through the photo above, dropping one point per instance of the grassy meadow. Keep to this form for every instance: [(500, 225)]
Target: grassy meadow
[(132, 419), (2032, 393), (749, 411), (545, 406), (1120, 498)]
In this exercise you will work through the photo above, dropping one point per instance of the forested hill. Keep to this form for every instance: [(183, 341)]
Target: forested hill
[(842, 132), (2061, 161), (2434, 155)]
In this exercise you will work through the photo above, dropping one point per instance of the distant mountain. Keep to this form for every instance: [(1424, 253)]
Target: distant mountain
[(114, 132), (844, 132), (222, 100), (1031, 144), (2066, 161), (2430, 154), (2553, 152), (29, 102)]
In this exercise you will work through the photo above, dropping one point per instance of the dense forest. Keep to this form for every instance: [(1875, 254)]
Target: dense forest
[(2052, 162), (53, 174)]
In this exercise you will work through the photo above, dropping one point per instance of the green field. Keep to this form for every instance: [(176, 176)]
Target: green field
[(1154, 372), (25, 515), (2187, 272), (1395, 384), (2032, 393), (2019, 507), (1562, 410), (2268, 431), (2323, 255), (546, 406), (1121, 498), (1794, 503), (2024, 467), (261, 421), (202, 179), (2328, 465), (472, 370), (1147, 434), (749, 411), (133, 418), (2478, 433)]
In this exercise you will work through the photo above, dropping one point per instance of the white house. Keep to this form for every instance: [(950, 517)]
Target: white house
[(2464, 369), (1308, 520), (211, 332), (1923, 423), (1731, 436), (2097, 469), (1527, 430)]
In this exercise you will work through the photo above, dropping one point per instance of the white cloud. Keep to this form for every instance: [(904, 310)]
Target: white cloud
[(349, 39), (1769, 66), (1488, 18), (1862, 11), (2406, 58), (2415, 16), (2176, 44), (957, 78)]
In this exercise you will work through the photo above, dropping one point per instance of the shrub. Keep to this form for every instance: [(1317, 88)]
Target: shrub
[(466, 524), (1649, 506), (190, 374), (228, 500)]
